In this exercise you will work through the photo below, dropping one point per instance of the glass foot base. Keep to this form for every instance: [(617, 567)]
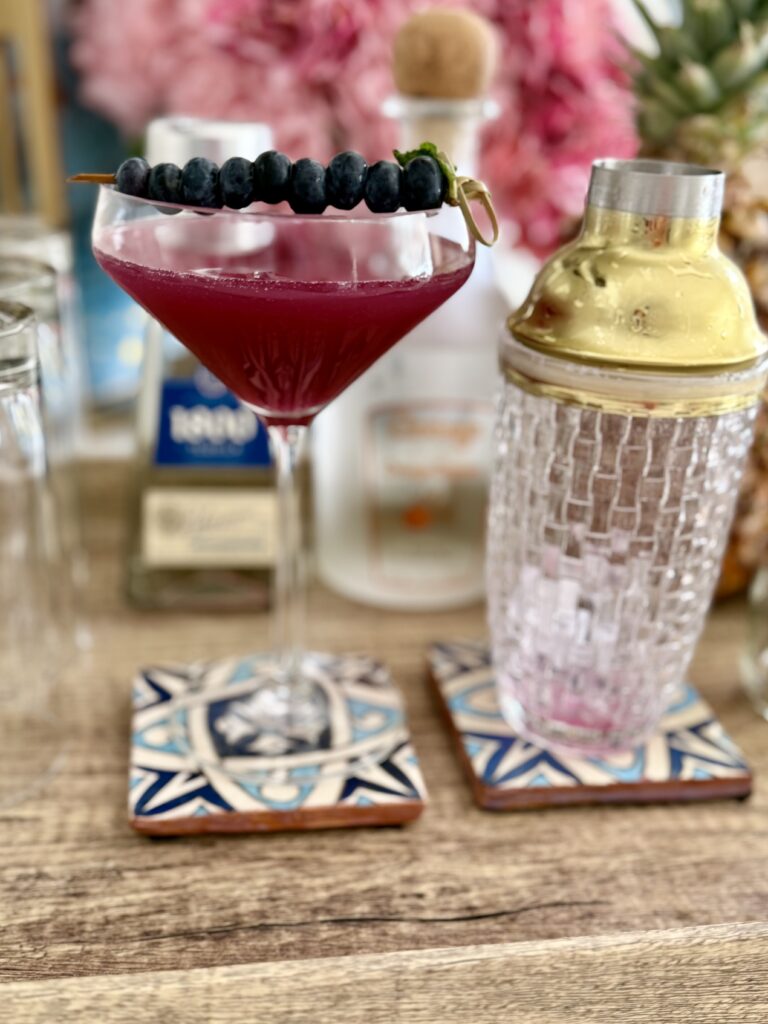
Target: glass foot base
[(274, 713), (251, 721), (568, 738)]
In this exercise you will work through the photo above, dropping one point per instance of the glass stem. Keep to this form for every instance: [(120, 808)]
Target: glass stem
[(290, 583)]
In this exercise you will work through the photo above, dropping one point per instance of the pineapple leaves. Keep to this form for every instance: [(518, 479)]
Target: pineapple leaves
[(645, 14), (699, 85), (705, 92), (710, 22), (745, 8), (737, 63), (670, 95)]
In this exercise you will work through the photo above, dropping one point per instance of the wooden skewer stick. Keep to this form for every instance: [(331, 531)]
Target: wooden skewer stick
[(91, 179)]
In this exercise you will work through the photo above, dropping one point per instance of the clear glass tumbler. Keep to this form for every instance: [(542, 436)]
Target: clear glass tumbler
[(27, 236), (35, 284), (30, 633)]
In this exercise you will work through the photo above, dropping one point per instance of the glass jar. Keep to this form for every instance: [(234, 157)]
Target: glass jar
[(402, 458)]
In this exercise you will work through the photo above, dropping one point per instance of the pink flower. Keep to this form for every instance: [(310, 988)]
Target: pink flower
[(318, 70), (565, 102), (316, 35), (120, 57)]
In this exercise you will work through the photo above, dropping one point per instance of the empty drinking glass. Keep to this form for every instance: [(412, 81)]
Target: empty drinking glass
[(35, 284), (30, 568), (27, 236)]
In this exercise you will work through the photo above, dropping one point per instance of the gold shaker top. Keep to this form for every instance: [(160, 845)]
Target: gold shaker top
[(644, 286)]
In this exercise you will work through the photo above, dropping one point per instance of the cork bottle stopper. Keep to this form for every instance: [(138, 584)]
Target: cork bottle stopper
[(445, 53)]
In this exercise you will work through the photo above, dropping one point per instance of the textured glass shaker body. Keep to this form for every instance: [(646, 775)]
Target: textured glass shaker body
[(631, 379), (35, 284), (30, 739)]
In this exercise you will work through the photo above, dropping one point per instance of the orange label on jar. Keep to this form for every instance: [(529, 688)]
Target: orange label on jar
[(427, 468)]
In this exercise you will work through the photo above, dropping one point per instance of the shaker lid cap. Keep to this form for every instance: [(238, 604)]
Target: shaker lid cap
[(644, 286), (657, 188)]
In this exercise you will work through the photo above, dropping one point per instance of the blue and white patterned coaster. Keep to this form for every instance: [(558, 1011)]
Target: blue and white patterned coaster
[(204, 758), (689, 758)]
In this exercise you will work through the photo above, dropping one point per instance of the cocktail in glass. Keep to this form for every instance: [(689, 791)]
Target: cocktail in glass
[(287, 311)]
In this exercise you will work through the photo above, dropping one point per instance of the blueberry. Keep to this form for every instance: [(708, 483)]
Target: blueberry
[(200, 183), (382, 187), (164, 185), (271, 177), (133, 177), (307, 191), (423, 184), (236, 182), (345, 180)]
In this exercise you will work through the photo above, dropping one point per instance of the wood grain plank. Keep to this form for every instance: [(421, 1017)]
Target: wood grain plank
[(81, 894), (684, 976)]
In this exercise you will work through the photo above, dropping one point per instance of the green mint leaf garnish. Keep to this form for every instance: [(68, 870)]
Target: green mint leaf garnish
[(430, 149), (460, 192)]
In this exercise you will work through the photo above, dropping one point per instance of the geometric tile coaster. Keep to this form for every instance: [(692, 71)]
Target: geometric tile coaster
[(689, 758), (202, 759)]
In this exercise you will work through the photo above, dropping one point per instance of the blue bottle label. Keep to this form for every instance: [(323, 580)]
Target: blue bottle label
[(203, 424)]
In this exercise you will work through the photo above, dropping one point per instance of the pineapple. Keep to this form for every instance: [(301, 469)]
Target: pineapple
[(704, 99)]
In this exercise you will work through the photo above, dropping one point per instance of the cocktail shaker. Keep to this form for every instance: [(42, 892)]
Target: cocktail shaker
[(631, 378)]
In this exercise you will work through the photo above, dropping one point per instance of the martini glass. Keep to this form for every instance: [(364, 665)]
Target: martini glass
[(287, 311)]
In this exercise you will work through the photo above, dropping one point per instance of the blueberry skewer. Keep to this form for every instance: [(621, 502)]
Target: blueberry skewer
[(422, 179)]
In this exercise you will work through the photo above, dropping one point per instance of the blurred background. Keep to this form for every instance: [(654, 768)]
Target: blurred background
[(96, 72), (80, 80)]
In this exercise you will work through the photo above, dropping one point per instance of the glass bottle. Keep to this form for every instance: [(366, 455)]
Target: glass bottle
[(203, 505), (632, 376), (402, 458)]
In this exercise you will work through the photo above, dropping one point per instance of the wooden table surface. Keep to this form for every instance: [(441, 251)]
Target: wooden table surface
[(652, 914)]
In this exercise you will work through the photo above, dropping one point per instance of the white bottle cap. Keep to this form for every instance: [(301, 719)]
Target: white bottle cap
[(177, 139)]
